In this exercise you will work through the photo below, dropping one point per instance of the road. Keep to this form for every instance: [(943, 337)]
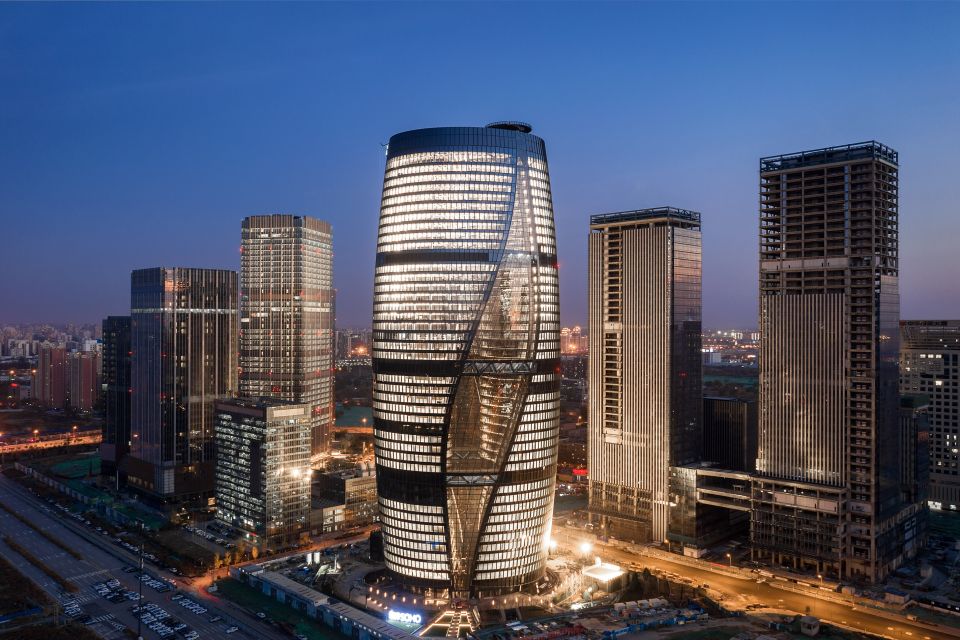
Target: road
[(747, 591), (102, 560), (52, 441)]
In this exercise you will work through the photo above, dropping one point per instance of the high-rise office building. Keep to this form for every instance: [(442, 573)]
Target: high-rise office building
[(116, 393), (49, 384), (286, 315), (828, 496), (930, 365), (263, 474), (466, 359), (184, 358), (645, 365)]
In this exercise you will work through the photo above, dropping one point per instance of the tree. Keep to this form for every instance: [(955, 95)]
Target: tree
[(254, 553), (217, 563)]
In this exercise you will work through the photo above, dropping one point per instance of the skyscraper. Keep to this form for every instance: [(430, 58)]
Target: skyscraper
[(466, 359), (645, 365), (286, 315), (930, 365), (184, 358), (263, 468), (828, 496), (116, 387)]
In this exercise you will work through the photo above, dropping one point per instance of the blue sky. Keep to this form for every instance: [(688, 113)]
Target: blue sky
[(135, 135)]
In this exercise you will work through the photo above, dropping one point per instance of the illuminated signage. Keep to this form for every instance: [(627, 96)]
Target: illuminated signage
[(404, 617)]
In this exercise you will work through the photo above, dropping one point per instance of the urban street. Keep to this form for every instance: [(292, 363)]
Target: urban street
[(744, 591)]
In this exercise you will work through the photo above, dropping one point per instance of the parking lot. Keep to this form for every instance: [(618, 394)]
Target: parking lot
[(109, 586)]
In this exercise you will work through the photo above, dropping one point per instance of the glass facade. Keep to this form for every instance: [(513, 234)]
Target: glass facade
[(263, 474), (184, 358), (286, 315), (116, 388), (466, 358)]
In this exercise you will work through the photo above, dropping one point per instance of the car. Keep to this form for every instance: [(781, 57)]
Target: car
[(231, 629), (261, 615), (216, 619), (176, 597)]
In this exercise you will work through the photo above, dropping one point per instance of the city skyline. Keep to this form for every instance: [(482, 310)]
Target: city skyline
[(147, 139), (491, 403)]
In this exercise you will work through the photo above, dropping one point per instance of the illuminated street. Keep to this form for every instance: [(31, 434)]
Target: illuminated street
[(739, 592)]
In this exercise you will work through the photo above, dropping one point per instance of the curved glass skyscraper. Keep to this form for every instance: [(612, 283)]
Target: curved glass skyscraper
[(466, 359)]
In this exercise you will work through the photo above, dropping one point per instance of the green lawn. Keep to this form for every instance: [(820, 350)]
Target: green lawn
[(80, 467), (255, 601)]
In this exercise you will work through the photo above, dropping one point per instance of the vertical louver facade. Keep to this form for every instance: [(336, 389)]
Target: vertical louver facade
[(645, 365), (828, 496)]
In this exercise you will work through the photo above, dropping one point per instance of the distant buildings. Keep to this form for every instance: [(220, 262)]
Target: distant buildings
[(353, 344), (286, 315), (49, 385), (83, 380), (645, 371), (930, 365), (573, 341), (465, 355), (116, 387), (263, 471), (67, 379), (184, 358), (829, 500)]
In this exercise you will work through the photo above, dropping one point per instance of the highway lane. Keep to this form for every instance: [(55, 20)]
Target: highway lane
[(102, 560), (746, 591)]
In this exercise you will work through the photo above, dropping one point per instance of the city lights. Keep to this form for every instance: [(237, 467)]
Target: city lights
[(462, 242)]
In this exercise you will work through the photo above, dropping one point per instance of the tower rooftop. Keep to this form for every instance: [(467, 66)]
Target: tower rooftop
[(870, 150), (671, 213)]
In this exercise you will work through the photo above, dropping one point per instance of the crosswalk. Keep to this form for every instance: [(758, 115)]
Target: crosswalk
[(78, 598), (101, 618), (90, 574)]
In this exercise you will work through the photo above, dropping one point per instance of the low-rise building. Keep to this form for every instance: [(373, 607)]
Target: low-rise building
[(344, 499), (263, 469)]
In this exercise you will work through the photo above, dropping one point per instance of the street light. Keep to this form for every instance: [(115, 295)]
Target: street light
[(729, 560), (585, 548), (820, 575)]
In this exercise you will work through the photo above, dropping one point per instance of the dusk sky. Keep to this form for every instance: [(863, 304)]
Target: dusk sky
[(139, 135)]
